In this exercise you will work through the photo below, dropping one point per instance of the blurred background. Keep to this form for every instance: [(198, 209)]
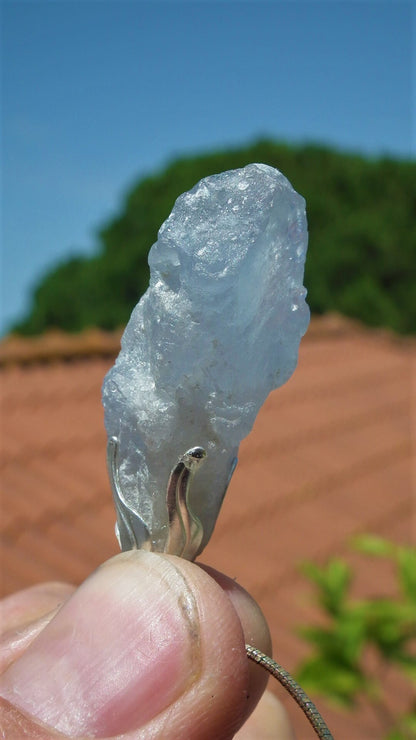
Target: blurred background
[(112, 109)]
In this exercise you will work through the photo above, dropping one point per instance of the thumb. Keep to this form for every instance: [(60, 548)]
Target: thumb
[(149, 646)]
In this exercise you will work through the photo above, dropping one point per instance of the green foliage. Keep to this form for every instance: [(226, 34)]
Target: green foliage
[(361, 259), (336, 668)]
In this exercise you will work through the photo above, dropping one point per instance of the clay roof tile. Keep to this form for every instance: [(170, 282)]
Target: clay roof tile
[(330, 456)]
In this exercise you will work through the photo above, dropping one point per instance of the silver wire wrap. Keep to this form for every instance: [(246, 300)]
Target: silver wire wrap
[(131, 530), (185, 529)]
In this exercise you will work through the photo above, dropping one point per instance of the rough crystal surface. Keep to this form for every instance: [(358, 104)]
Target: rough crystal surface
[(218, 328)]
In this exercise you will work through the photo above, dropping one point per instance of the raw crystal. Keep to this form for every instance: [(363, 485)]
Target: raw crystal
[(218, 328)]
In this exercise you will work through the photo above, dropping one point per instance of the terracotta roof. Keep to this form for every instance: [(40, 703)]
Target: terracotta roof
[(330, 455)]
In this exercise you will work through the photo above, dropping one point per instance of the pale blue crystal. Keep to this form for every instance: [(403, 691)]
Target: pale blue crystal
[(218, 328)]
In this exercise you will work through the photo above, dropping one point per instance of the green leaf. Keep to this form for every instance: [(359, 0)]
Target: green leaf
[(405, 728), (333, 582), (339, 683), (342, 642), (370, 544), (336, 669), (390, 626), (408, 665), (407, 572)]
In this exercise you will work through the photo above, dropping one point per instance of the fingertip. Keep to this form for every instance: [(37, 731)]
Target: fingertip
[(17, 725), (148, 641), (269, 721), (32, 603), (255, 628), (149, 646), (25, 614)]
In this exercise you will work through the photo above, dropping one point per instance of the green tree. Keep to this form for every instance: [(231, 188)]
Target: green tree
[(361, 259)]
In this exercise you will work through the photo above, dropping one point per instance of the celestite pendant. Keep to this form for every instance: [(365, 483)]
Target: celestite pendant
[(218, 328)]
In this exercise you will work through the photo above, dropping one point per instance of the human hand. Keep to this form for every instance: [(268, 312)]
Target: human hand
[(150, 646)]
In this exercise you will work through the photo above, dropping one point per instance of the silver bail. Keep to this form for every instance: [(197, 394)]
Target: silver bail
[(185, 528)]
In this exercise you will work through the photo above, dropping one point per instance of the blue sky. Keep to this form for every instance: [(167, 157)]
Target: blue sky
[(96, 93)]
